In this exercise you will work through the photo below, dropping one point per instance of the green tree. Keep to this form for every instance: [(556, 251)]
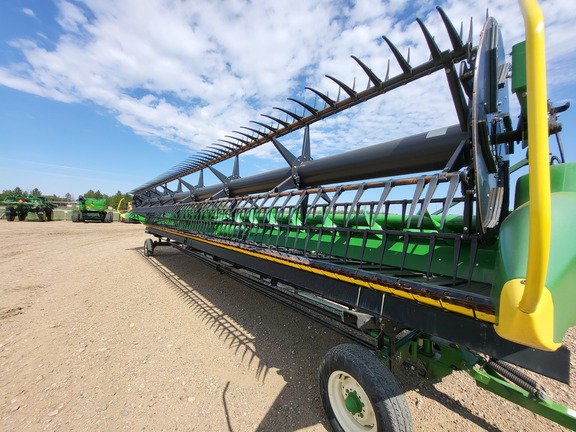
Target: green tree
[(6, 193), (114, 200), (36, 192), (127, 199)]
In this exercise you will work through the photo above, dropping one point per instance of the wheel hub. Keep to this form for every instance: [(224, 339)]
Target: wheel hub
[(350, 402), (353, 403)]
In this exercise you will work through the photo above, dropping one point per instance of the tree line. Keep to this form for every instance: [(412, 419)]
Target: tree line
[(111, 200)]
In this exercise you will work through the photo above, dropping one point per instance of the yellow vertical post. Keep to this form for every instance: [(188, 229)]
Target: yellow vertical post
[(526, 312), (540, 211)]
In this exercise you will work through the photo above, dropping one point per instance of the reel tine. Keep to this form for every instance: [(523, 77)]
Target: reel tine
[(255, 131), (243, 141), (406, 68), (452, 33), (213, 150), (202, 159), (458, 98), (228, 149), (271, 207), (277, 120), (419, 188), (210, 154), (432, 185), (387, 71), (283, 207), (385, 193), (290, 113), (244, 134), (355, 201), (319, 195), (305, 105), (322, 96), (301, 206), (432, 46), (264, 125), (332, 203), (454, 180), (351, 92)]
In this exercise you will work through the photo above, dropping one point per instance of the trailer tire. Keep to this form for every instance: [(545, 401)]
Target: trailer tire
[(21, 216), (360, 394), (10, 213), (75, 216), (148, 248), (49, 214), (109, 217)]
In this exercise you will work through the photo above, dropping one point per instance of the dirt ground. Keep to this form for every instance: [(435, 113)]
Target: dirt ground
[(96, 337)]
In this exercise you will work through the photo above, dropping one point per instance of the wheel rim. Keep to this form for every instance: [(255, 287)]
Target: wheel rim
[(350, 403)]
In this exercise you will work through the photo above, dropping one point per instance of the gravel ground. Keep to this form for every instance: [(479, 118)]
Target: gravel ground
[(96, 337)]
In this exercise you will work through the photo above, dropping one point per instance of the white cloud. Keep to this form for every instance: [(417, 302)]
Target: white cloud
[(186, 73), (29, 12)]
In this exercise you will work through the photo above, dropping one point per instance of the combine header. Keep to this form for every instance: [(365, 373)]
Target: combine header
[(418, 248)]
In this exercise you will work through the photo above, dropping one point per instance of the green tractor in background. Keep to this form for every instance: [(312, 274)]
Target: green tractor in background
[(92, 209), (19, 206)]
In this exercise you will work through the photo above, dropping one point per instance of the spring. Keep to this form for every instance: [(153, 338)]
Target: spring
[(515, 376)]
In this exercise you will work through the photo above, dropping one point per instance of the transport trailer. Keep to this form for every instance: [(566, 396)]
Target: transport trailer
[(419, 249)]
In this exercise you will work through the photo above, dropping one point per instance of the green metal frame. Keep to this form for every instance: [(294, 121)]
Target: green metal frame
[(435, 358)]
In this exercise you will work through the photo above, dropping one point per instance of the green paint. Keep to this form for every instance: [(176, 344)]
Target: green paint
[(512, 256), (353, 403)]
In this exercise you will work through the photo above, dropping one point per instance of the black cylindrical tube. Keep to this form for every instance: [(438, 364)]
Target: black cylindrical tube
[(427, 151)]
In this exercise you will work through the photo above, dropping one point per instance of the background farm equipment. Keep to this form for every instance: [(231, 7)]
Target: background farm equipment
[(419, 248), (91, 209), (18, 206), (127, 216)]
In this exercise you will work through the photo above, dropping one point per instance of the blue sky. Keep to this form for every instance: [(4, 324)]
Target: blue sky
[(107, 94)]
